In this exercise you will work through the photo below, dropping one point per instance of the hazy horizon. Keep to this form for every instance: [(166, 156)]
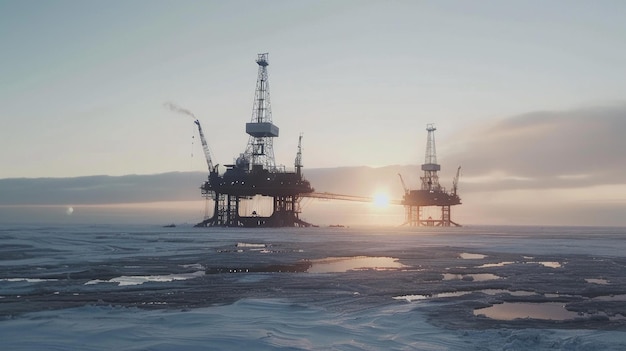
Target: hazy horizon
[(175, 197)]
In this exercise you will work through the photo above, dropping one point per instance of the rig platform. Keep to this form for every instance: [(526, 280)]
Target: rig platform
[(255, 173)]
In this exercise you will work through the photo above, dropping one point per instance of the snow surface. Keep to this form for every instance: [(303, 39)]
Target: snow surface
[(152, 288)]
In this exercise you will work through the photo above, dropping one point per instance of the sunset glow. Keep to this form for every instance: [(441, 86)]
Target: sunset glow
[(381, 200)]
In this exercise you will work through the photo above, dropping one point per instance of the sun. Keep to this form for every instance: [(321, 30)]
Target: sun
[(381, 200)]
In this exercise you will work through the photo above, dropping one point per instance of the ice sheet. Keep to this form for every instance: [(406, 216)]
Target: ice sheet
[(236, 288)]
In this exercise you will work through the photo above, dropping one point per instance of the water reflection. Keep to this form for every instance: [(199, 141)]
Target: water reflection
[(344, 264), (514, 310), (547, 310)]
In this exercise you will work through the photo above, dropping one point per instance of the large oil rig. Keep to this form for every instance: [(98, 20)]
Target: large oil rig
[(255, 172), (431, 193)]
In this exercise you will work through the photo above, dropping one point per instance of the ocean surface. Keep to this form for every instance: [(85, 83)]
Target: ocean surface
[(114, 287)]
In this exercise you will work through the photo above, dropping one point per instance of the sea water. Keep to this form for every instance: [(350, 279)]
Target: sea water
[(108, 287)]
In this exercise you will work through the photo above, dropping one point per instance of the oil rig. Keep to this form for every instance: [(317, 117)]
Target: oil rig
[(255, 172), (431, 193)]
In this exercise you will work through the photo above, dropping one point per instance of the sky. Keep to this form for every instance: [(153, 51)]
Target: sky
[(527, 96)]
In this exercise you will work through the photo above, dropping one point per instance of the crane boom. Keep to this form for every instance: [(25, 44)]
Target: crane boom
[(205, 146), (406, 190), (455, 181)]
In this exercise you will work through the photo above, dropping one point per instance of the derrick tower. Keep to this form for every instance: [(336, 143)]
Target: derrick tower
[(260, 149), (430, 179), (431, 192), (298, 162)]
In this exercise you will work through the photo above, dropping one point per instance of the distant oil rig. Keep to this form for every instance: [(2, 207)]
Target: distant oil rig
[(255, 174), (431, 192)]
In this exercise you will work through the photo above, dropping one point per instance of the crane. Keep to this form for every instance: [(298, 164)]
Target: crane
[(455, 181), (205, 147), (207, 189), (406, 190)]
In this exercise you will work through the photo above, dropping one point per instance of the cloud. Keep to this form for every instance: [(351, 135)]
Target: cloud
[(174, 186), (545, 149)]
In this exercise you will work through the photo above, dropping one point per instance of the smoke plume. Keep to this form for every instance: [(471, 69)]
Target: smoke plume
[(175, 108)]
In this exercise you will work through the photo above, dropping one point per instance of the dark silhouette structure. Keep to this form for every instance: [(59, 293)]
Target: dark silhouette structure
[(431, 192), (255, 172)]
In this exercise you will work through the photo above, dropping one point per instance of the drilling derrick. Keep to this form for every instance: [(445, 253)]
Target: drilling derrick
[(260, 149), (430, 179), (255, 173), (298, 161), (431, 193)]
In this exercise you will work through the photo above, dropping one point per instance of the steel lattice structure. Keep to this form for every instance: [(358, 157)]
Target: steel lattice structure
[(260, 149)]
